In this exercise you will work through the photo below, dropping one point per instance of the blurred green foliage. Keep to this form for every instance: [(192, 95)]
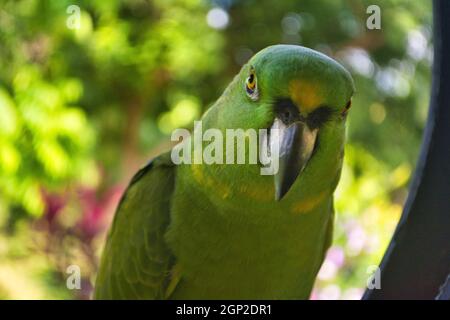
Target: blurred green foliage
[(82, 108)]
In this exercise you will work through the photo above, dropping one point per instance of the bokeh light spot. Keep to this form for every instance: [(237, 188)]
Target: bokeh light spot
[(217, 18)]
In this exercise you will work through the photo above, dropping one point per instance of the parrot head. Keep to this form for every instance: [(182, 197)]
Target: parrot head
[(301, 92)]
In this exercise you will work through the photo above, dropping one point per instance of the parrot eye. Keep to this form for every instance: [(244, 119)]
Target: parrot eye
[(347, 107), (251, 87)]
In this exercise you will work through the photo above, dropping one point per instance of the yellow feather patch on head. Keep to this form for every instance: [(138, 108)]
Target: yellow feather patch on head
[(306, 95)]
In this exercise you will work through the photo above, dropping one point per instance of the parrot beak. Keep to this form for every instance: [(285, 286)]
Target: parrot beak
[(296, 142)]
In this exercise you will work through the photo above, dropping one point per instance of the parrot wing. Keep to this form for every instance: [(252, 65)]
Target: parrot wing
[(136, 262)]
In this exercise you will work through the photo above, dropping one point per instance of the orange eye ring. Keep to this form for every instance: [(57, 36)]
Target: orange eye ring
[(251, 83), (251, 87)]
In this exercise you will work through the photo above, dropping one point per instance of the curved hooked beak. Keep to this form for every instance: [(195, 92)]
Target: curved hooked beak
[(296, 142)]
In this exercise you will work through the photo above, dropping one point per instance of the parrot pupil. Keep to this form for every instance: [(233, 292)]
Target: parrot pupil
[(250, 86)]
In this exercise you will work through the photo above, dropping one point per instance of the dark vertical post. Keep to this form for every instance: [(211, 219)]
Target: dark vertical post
[(417, 260)]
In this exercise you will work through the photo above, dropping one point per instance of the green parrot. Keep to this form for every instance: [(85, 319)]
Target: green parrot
[(225, 231)]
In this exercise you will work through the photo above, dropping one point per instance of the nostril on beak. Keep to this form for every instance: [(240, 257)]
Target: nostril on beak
[(286, 111)]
